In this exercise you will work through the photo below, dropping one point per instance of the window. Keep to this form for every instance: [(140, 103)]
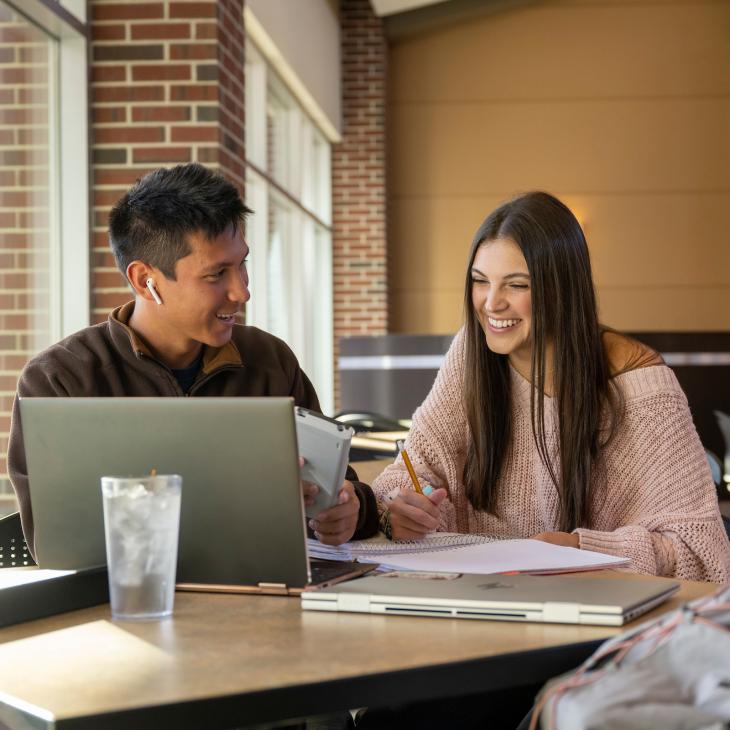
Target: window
[(288, 186), (43, 235)]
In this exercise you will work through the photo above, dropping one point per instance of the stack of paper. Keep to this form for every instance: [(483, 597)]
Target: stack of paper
[(456, 553)]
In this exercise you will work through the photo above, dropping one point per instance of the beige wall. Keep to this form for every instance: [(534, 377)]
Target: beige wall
[(622, 109), (307, 35)]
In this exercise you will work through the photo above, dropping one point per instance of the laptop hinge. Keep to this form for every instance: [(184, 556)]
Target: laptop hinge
[(275, 588), (561, 613)]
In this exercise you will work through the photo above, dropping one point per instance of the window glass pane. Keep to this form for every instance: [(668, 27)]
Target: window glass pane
[(322, 313), (257, 236), (255, 99), (291, 258), (277, 132), (28, 191), (277, 270), (309, 171), (299, 291), (322, 166)]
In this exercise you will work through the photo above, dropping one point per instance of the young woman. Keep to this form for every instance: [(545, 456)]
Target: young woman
[(543, 424)]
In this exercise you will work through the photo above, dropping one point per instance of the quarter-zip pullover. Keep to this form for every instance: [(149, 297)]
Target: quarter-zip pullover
[(110, 360)]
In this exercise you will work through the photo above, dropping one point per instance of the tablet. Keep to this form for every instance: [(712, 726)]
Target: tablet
[(325, 445)]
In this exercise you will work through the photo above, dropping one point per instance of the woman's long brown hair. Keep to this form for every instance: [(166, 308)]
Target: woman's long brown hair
[(564, 314)]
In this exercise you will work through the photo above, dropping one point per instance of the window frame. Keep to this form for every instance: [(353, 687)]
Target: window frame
[(302, 186), (65, 22)]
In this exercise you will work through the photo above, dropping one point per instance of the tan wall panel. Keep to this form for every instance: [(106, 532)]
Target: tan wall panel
[(657, 240), (439, 232), (669, 309), (662, 309), (425, 287), (427, 311), (593, 146), (574, 50), (689, 253), (621, 109), (689, 232)]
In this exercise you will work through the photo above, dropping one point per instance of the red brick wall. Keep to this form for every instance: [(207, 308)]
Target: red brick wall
[(359, 181), (24, 209), (167, 86)]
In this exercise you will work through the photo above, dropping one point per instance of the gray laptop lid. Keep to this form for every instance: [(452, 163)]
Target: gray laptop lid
[(241, 518), (555, 598)]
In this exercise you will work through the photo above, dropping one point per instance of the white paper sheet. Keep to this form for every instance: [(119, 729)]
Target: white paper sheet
[(504, 556)]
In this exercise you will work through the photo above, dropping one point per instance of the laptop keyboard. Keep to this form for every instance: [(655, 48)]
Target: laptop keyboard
[(325, 570)]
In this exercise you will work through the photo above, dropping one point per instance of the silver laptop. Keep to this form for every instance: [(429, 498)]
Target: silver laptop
[(555, 599), (241, 522)]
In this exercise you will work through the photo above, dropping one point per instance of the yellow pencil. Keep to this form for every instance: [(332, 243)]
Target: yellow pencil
[(409, 466)]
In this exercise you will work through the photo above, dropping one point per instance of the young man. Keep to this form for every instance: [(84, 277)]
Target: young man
[(177, 237)]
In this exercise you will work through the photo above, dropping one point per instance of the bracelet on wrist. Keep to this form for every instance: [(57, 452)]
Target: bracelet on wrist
[(384, 521)]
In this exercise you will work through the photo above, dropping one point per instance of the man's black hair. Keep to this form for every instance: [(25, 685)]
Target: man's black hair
[(152, 221)]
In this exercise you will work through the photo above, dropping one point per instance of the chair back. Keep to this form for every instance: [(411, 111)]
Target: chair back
[(715, 467), (14, 551)]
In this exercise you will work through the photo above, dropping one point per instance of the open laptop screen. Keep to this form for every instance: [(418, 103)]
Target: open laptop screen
[(242, 520)]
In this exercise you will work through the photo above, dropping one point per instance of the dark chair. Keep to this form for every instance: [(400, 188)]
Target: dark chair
[(362, 421), (14, 551), (721, 486), (715, 467), (375, 434)]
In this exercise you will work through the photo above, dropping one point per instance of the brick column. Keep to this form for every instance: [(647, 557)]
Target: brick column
[(167, 86), (359, 181)]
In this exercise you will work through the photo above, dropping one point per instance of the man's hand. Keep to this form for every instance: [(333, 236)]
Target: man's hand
[(337, 524), (413, 515), (567, 539)]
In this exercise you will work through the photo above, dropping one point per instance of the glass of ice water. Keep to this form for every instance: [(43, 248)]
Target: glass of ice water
[(141, 521)]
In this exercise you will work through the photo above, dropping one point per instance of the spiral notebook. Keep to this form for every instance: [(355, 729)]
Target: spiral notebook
[(458, 553), (380, 545)]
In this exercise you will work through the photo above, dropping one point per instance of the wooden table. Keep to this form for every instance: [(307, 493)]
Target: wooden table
[(228, 661)]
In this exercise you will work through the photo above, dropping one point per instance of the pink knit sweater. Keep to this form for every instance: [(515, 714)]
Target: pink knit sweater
[(658, 506)]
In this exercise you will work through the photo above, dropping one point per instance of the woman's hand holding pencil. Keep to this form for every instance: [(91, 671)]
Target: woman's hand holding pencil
[(413, 513)]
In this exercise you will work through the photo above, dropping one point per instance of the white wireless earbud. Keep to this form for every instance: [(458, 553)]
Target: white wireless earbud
[(153, 291)]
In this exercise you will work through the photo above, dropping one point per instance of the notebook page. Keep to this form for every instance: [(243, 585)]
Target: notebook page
[(503, 556)]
